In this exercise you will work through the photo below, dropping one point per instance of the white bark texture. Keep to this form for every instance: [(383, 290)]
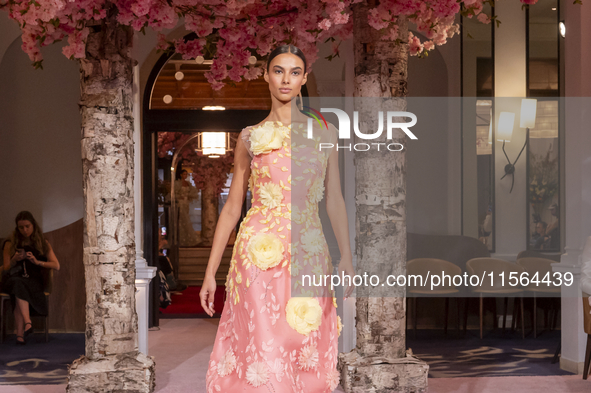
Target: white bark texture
[(379, 362), (209, 214), (112, 362)]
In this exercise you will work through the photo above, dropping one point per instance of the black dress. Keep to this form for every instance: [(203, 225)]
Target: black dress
[(27, 284)]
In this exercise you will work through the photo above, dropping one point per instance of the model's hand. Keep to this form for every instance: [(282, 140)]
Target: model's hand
[(207, 294), (346, 266)]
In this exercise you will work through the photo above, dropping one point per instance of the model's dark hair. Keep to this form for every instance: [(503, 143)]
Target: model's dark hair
[(37, 239), (179, 175), (287, 49)]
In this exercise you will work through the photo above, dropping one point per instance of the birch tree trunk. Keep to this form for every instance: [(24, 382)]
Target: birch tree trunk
[(379, 362), (209, 214), (112, 361)]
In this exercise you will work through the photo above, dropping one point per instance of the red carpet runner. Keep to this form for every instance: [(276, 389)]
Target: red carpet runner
[(188, 305)]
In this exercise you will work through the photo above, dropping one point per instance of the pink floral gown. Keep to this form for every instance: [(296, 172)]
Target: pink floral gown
[(268, 340)]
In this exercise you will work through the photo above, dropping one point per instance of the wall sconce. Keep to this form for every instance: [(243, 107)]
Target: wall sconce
[(505, 131), (562, 29)]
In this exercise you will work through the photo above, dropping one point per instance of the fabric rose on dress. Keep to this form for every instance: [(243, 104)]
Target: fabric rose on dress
[(257, 374), (271, 194), (277, 367), (303, 314), (308, 359), (296, 215), (265, 138), (250, 184), (339, 324), (332, 379), (265, 251), (227, 363), (316, 191), (313, 241)]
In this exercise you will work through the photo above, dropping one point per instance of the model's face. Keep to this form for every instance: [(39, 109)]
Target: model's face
[(540, 228), (286, 76), (184, 175), (25, 227)]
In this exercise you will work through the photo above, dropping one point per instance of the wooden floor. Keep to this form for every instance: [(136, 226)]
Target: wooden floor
[(193, 262)]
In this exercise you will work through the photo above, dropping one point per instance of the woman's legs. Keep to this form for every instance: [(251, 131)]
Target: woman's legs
[(21, 316)]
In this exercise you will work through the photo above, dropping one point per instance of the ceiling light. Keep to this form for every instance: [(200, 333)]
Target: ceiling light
[(167, 99), (179, 76), (213, 108)]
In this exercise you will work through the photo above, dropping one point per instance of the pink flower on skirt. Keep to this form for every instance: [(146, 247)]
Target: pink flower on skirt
[(257, 374), (308, 357), (227, 363)]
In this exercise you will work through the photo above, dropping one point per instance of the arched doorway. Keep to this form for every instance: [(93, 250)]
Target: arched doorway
[(173, 102)]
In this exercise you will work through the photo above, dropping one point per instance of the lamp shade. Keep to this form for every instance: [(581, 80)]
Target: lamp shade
[(527, 118), (505, 128), (213, 143)]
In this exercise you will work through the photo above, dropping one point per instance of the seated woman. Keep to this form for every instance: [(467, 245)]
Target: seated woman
[(26, 254)]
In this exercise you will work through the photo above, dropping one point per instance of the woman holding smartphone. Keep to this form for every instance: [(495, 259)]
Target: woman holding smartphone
[(26, 254)]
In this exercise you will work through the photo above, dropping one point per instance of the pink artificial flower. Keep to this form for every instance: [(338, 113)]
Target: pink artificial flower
[(325, 24), (77, 44), (414, 44), (376, 18), (428, 45), (141, 7), (483, 18), (253, 73)]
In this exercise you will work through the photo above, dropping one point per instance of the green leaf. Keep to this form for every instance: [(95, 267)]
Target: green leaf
[(578, 2), (469, 35), (38, 64)]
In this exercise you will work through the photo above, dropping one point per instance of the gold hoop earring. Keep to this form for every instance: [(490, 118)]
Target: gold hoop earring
[(301, 101)]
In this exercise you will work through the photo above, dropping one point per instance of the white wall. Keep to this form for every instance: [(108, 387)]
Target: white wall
[(9, 31), (40, 159)]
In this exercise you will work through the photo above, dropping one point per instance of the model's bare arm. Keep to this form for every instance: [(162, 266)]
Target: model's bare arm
[(335, 207), (231, 211), (227, 222)]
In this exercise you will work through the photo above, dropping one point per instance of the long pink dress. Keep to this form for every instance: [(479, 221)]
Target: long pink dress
[(268, 340)]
